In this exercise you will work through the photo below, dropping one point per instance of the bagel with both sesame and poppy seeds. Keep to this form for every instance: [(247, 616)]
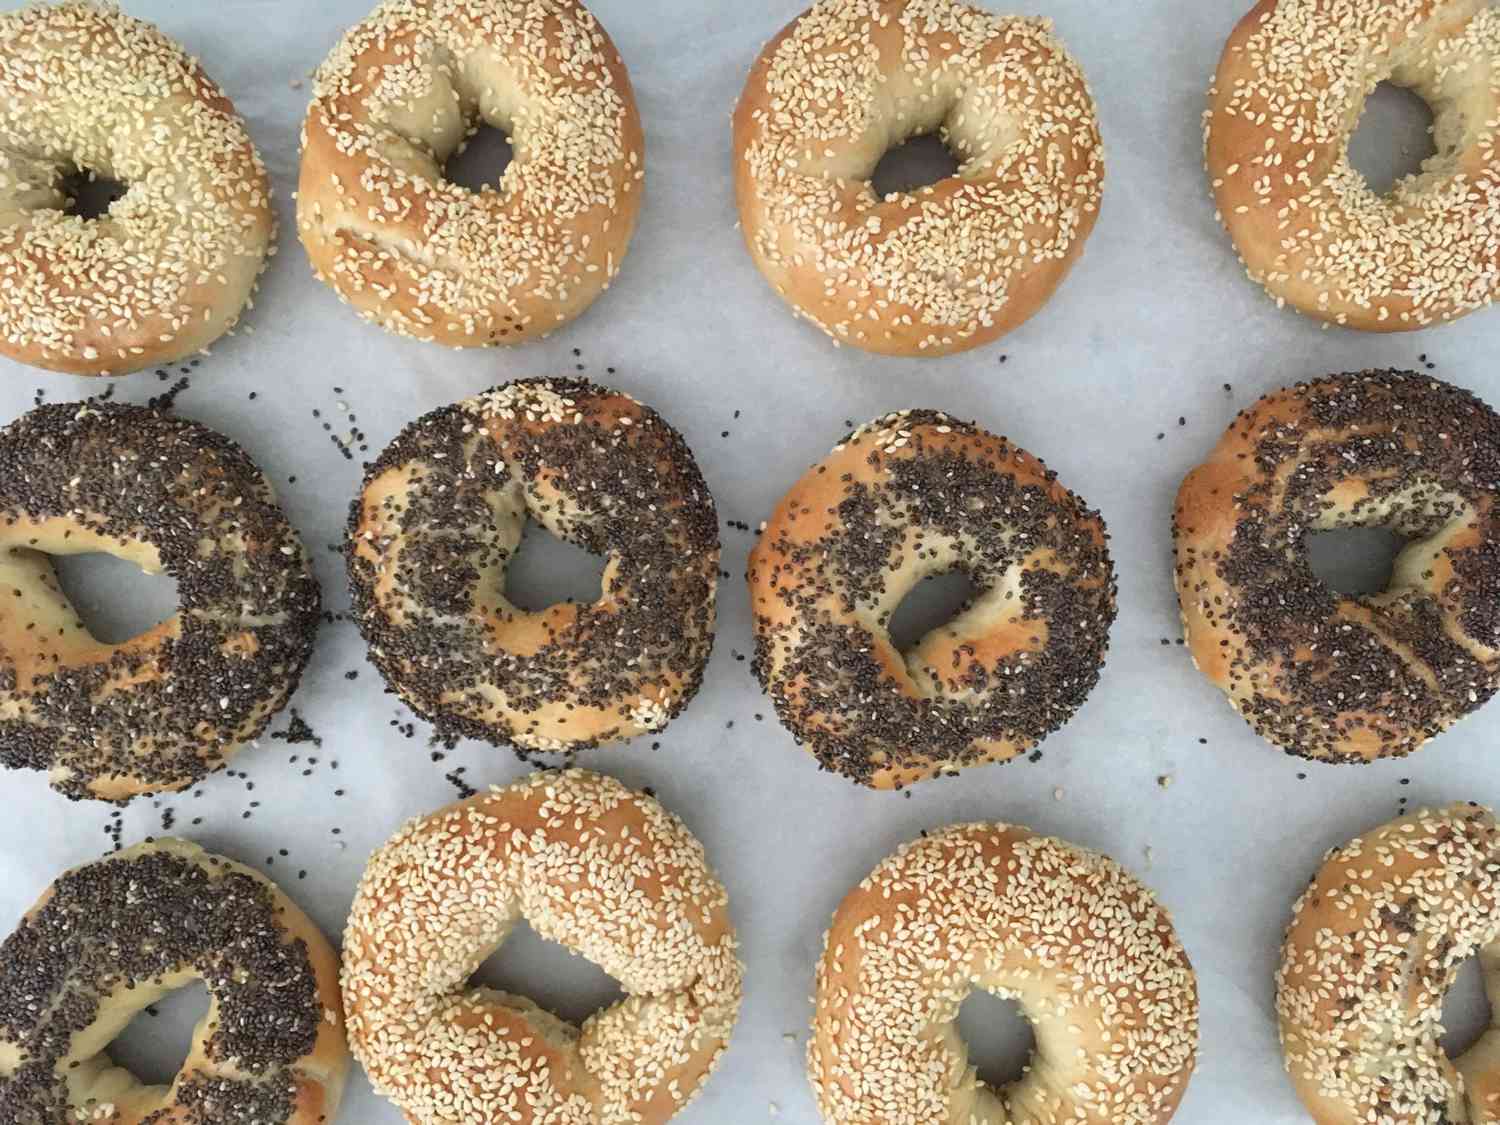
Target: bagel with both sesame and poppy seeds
[(111, 938), (1322, 675), (423, 257), (1082, 946), (1374, 944), (907, 497), (161, 710), (947, 267), (602, 870), (169, 268), (1288, 95), (444, 510)]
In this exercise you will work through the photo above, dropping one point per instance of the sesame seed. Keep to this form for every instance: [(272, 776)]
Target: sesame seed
[(189, 238), (1084, 947), (1306, 223), (605, 872), (842, 255), (427, 258)]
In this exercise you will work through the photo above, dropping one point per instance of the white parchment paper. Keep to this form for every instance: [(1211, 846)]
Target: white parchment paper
[(1154, 321)]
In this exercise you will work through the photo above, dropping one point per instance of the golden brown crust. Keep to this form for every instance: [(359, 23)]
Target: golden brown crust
[(1289, 91), (1347, 679), (951, 266), (588, 863), (1374, 944), (908, 496), (426, 258), (1084, 948), (121, 933), (172, 265)]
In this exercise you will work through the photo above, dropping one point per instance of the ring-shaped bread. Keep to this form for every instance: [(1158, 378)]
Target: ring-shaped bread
[(600, 869), (441, 515), (1290, 90), (1374, 945), (162, 709), (428, 258), (1320, 674), (947, 267), (1092, 959), (171, 265), (904, 498), (111, 938)]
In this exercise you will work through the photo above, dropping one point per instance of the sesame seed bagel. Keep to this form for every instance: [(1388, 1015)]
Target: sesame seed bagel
[(1326, 676), (164, 708), (950, 266), (602, 870), (423, 257), (909, 496), (443, 511), (1289, 92), (111, 938), (1082, 946), (1374, 944), (170, 267)]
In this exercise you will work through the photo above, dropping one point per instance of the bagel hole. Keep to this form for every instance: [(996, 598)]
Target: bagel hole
[(155, 1044), (480, 161), (1394, 137), (919, 162), (116, 600), (1354, 561), (552, 977), (934, 602), (1466, 1010), (91, 194), (547, 570), (999, 1037)]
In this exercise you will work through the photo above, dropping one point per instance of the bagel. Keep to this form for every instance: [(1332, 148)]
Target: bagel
[(109, 939), (909, 496), (171, 266), (948, 267), (162, 709), (1082, 946), (444, 509), (1290, 89), (1323, 676), (588, 863), (1374, 944), (424, 257)]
